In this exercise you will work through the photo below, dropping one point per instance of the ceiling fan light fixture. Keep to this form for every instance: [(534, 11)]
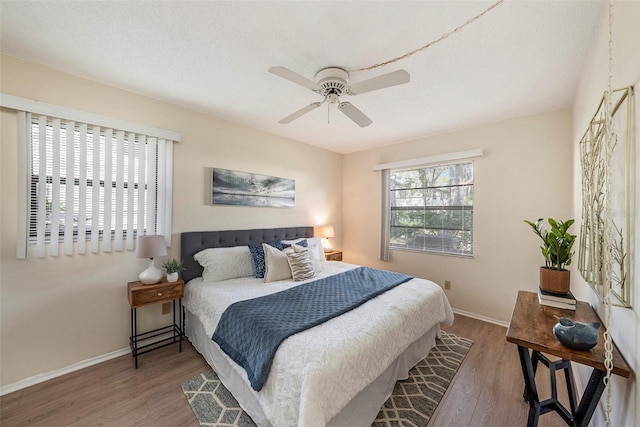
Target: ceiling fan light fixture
[(332, 98), (333, 82)]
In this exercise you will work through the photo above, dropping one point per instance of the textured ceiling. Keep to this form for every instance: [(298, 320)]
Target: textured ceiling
[(522, 58)]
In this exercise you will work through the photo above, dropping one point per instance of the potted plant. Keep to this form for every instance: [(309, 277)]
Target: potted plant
[(556, 250), (172, 267)]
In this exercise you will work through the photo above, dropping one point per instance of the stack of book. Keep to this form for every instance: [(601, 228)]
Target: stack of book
[(565, 301)]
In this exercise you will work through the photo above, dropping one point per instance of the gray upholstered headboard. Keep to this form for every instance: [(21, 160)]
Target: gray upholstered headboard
[(193, 242)]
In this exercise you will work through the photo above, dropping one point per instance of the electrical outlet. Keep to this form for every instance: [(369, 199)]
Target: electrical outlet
[(166, 308), (447, 284)]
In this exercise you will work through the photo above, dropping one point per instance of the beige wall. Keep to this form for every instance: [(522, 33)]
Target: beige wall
[(59, 311), (625, 328), (525, 173)]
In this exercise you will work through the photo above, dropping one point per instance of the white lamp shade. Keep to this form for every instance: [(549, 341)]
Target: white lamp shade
[(151, 247), (325, 231)]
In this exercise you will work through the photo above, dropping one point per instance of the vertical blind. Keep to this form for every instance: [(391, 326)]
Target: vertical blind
[(93, 186)]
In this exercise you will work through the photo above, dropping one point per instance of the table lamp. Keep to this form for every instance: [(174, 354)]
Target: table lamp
[(325, 232), (151, 247)]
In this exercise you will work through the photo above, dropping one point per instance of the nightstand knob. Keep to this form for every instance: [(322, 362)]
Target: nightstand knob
[(159, 294)]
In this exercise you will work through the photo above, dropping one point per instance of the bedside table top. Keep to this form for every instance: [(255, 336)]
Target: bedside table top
[(138, 284)]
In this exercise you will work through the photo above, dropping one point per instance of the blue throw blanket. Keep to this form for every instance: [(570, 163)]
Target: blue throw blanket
[(251, 331)]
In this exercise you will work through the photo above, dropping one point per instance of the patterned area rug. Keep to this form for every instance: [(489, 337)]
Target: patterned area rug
[(412, 403)]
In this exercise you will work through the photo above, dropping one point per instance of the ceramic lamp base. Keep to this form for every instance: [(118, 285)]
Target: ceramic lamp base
[(151, 275)]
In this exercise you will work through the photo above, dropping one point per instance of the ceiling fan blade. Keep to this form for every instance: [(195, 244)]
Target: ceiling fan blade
[(354, 114), (286, 73), (300, 112), (386, 80)]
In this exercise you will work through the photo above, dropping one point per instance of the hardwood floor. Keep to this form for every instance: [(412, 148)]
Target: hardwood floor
[(487, 390), (112, 393)]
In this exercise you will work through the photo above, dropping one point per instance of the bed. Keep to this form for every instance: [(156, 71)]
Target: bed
[(338, 373)]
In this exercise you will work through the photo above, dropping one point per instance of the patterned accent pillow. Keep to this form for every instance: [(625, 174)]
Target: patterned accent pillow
[(299, 242), (313, 256), (300, 265), (257, 254)]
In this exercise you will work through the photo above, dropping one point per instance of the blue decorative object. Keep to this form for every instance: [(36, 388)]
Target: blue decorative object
[(576, 335)]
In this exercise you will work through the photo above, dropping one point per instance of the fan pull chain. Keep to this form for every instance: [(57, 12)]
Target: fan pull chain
[(420, 49)]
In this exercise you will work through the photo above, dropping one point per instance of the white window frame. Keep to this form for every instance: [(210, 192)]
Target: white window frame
[(424, 162)]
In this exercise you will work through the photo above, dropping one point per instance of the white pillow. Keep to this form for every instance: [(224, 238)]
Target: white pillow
[(312, 243), (225, 263), (301, 265), (276, 264), (316, 242), (313, 256)]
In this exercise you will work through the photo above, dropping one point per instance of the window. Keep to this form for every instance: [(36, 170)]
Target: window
[(431, 209), (89, 183)]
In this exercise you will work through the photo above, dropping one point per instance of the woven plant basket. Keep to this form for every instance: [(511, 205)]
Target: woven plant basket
[(555, 281)]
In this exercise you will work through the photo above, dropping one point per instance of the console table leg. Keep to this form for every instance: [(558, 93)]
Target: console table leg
[(571, 387), (590, 398), (530, 386), (535, 358), (552, 380)]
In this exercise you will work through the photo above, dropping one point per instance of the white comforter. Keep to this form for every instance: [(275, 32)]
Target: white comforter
[(317, 372)]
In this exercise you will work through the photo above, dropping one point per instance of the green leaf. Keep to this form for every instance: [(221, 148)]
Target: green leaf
[(558, 243)]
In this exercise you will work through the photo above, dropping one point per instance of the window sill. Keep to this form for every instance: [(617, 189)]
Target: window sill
[(467, 256)]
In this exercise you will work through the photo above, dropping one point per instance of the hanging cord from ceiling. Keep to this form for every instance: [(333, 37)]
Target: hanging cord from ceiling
[(428, 45), (611, 142)]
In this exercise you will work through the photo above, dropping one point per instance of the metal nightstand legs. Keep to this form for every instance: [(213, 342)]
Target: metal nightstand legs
[(157, 338)]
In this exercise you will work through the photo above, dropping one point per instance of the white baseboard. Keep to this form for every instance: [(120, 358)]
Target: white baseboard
[(39, 378), (479, 317)]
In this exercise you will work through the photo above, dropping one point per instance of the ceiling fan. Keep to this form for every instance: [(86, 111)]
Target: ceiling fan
[(332, 82)]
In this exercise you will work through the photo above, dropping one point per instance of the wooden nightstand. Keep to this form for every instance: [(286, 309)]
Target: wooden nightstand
[(141, 295), (333, 256)]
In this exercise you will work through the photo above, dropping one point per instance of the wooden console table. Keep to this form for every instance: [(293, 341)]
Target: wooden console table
[(531, 327)]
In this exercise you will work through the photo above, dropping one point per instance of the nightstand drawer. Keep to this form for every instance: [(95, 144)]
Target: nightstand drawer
[(333, 256), (150, 294)]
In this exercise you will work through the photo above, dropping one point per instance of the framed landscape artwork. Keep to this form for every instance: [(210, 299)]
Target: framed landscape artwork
[(230, 187)]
